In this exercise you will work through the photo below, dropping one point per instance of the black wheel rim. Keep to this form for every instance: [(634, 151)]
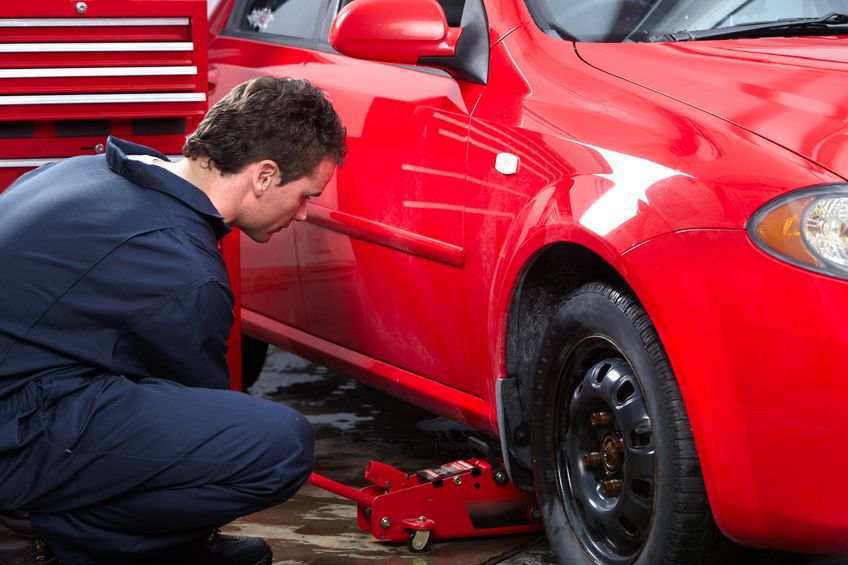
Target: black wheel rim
[(606, 460)]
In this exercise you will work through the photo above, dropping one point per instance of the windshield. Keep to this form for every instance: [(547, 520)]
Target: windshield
[(616, 21)]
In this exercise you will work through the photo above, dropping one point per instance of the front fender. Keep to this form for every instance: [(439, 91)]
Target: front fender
[(563, 213), (548, 219), (757, 346)]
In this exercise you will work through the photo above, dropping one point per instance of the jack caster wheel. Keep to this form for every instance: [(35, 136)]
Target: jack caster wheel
[(419, 541)]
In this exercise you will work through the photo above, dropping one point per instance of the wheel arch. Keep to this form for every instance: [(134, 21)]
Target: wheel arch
[(540, 289), (552, 274)]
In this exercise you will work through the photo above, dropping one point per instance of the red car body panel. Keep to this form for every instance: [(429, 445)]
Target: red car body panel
[(798, 81), (427, 393), (647, 155)]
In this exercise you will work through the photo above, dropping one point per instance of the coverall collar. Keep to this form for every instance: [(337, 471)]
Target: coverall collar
[(157, 178)]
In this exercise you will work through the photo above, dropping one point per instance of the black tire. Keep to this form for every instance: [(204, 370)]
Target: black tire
[(253, 353), (601, 355)]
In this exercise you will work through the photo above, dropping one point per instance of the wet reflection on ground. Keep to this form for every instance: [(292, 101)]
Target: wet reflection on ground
[(353, 424)]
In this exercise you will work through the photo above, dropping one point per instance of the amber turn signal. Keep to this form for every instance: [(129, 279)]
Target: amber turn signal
[(808, 228), (780, 229)]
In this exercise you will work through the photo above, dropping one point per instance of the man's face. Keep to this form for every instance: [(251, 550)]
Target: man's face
[(279, 205)]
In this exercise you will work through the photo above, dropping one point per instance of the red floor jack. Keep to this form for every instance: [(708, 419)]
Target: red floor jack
[(465, 498)]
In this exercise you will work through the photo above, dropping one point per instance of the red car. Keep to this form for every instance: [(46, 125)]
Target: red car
[(614, 234)]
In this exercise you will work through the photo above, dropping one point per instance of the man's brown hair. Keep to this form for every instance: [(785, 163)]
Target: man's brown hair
[(286, 120)]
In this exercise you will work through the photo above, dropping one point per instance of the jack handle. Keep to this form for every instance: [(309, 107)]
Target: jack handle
[(342, 490)]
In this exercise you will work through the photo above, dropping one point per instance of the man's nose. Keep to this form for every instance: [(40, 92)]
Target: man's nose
[(300, 215)]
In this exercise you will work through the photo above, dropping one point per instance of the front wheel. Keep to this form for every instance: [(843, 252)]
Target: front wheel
[(615, 464)]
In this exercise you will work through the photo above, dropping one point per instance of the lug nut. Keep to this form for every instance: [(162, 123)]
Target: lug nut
[(601, 418), (611, 487), (592, 459)]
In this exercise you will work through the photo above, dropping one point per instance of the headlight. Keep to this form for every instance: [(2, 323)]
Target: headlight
[(808, 228)]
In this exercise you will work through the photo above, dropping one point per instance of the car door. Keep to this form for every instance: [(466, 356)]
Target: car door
[(381, 257)]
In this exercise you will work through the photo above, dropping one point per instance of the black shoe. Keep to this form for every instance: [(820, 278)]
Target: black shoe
[(221, 549), (19, 544)]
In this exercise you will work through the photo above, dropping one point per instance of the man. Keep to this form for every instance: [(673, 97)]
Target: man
[(118, 440)]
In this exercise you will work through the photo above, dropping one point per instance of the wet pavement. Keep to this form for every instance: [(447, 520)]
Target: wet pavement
[(354, 424)]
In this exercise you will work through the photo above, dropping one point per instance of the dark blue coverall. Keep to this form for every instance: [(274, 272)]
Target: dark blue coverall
[(114, 300)]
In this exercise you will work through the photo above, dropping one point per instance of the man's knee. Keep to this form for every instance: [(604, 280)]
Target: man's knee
[(295, 443), (289, 451)]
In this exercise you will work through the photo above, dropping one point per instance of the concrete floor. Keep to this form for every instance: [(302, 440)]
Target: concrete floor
[(353, 424)]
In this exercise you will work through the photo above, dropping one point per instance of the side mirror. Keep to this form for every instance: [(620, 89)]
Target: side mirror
[(394, 31)]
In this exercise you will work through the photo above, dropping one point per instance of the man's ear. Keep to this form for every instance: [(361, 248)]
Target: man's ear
[(264, 176)]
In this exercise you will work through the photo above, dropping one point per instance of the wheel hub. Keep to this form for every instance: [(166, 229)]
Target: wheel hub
[(612, 449), (611, 461)]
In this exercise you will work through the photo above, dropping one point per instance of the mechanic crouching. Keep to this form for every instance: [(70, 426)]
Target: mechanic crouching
[(119, 440)]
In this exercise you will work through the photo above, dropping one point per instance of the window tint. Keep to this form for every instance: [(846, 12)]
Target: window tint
[(452, 9), (292, 18), (646, 20)]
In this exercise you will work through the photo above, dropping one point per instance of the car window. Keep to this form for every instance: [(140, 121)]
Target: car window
[(290, 18), (452, 9), (614, 21)]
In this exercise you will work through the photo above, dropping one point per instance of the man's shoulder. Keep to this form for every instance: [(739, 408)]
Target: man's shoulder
[(77, 210), (80, 187)]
